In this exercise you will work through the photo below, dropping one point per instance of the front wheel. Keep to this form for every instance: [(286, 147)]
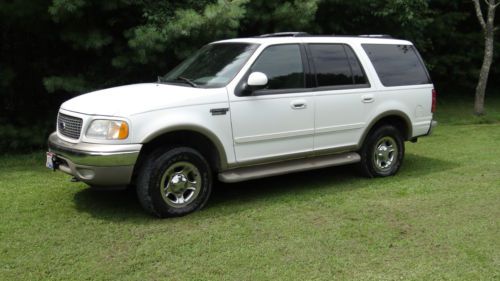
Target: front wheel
[(382, 153), (174, 182)]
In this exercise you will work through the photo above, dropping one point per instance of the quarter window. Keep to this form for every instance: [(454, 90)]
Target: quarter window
[(397, 65), (336, 65), (283, 66)]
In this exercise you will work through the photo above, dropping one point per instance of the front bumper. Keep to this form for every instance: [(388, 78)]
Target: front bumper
[(95, 164)]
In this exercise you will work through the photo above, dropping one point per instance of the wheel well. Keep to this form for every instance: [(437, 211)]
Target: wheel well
[(191, 139), (397, 121)]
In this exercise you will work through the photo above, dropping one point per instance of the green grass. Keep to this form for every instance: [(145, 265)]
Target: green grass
[(458, 111), (438, 219)]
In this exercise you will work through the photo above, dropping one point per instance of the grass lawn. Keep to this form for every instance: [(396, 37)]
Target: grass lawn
[(438, 219)]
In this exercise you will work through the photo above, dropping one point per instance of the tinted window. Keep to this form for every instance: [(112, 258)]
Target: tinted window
[(358, 74), (331, 64), (336, 65), (397, 65), (283, 66)]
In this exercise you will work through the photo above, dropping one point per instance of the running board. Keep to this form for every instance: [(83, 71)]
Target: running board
[(299, 165)]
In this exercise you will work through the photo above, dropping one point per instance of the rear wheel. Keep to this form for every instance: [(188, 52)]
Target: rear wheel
[(383, 152), (174, 182)]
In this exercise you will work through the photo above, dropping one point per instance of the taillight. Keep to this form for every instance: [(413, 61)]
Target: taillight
[(434, 100)]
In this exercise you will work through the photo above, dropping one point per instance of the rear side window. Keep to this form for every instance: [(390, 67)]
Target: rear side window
[(283, 66), (397, 65), (336, 65)]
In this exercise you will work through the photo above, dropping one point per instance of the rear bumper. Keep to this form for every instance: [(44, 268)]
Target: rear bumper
[(95, 164), (431, 128)]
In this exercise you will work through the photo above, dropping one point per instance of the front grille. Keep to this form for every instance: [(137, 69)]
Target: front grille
[(69, 126)]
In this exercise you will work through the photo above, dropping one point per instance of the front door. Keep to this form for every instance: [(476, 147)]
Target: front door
[(276, 122)]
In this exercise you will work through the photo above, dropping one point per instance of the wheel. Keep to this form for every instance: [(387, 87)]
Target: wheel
[(382, 152), (174, 182)]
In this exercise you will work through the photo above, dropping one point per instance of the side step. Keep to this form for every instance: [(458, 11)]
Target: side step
[(299, 165)]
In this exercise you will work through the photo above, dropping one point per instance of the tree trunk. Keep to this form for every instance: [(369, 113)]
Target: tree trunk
[(488, 27), (483, 75)]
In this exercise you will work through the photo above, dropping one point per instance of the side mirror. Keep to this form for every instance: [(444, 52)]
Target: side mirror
[(257, 80)]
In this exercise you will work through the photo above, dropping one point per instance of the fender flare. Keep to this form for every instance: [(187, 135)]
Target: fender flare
[(390, 113), (221, 152)]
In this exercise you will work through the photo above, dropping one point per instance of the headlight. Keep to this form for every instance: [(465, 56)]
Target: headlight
[(108, 130)]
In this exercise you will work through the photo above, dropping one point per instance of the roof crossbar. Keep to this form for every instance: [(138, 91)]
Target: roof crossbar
[(376, 35), (284, 34)]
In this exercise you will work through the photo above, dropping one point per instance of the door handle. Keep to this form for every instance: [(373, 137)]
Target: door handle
[(298, 104), (368, 98)]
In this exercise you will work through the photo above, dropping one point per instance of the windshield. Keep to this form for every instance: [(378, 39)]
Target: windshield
[(213, 66)]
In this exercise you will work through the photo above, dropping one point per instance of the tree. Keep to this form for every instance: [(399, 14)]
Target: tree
[(263, 16), (52, 50), (132, 41), (488, 26)]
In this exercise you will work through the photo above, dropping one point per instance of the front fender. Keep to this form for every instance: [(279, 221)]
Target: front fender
[(199, 119)]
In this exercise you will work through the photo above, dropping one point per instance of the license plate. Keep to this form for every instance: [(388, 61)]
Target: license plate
[(50, 160)]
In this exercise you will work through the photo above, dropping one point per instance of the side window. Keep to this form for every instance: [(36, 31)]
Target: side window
[(336, 65), (397, 65), (283, 66)]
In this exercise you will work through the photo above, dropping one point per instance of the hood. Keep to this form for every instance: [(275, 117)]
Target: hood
[(138, 98)]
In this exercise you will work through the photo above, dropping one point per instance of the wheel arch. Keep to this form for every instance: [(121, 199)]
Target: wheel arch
[(199, 138), (396, 118)]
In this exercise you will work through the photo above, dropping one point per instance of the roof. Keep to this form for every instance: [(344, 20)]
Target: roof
[(301, 37)]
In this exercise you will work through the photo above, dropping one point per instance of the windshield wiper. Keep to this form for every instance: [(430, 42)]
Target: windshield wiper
[(162, 79), (187, 81)]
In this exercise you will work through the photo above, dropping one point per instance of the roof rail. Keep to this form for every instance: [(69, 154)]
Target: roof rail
[(376, 35), (304, 34), (284, 34)]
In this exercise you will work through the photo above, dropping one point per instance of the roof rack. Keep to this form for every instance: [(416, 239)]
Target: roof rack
[(284, 34), (376, 35), (305, 34)]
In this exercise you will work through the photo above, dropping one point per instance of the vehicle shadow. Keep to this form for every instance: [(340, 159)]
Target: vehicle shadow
[(113, 205), (122, 205), (341, 179)]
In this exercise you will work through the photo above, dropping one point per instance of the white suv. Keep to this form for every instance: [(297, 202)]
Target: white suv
[(249, 108)]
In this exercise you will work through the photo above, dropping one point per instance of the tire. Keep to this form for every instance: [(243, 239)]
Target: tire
[(382, 152), (174, 182)]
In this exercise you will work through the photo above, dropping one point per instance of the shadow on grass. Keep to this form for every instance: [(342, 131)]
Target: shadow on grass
[(416, 165), (122, 205), (114, 205), (340, 179)]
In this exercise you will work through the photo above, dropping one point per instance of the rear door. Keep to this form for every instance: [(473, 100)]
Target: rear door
[(342, 97)]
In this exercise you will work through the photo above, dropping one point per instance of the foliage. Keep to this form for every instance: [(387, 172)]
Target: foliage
[(54, 50), (456, 52), (275, 16), (22, 139)]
